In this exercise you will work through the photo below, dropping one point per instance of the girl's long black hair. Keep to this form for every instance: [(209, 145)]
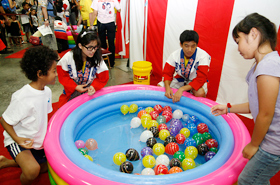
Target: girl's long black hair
[(84, 38), (264, 25)]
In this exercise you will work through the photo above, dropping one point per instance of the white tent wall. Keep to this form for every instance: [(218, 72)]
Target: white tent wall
[(181, 15), (136, 31)]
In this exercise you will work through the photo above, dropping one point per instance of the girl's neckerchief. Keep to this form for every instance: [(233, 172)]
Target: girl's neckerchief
[(186, 70)]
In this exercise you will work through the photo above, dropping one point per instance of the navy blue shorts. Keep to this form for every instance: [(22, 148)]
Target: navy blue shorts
[(14, 149)]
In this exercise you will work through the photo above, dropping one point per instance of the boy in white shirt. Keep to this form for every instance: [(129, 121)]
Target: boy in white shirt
[(26, 118)]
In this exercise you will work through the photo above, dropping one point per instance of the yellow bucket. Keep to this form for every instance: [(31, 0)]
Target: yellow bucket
[(141, 72)]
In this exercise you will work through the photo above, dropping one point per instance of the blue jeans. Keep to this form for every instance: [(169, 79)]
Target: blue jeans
[(259, 169)]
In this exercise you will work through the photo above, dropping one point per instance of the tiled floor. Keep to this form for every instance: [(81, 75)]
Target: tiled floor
[(12, 79)]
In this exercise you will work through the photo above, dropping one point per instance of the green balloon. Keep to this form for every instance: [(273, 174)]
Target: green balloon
[(83, 151), (197, 135), (179, 155), (161, 119), (213, 149), (206, 136)]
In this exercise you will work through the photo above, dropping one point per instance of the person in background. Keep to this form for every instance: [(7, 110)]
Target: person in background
[(25, 120), (15, 29), (82, 70), (256, 38), (86, 11), (25, 22), (105, 13), (186, 69), (47, 18), (73, 12), (4, 20), (33, 20)]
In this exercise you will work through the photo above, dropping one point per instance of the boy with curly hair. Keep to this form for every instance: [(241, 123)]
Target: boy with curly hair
[(25, 120)]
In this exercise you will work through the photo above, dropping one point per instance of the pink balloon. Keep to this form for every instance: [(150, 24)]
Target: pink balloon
[(91, 144), (80, 144)]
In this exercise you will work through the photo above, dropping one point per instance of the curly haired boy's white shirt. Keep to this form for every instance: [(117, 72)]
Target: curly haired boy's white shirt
[(28, 114)]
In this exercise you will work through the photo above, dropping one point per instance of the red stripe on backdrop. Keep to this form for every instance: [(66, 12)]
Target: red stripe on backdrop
[(118, 42), (278, 41), (155, 34), (212, 24)]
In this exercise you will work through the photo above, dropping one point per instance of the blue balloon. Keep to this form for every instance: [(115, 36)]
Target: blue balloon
[(192, 128), (190, 142), (194, 119)]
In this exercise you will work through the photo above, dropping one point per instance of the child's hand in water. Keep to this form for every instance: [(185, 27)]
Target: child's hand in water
[(25, 142), (91, 90), (218, 110)]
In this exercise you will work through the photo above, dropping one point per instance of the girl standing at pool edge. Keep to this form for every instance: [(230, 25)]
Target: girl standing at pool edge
[(256, 38), (82, 69)]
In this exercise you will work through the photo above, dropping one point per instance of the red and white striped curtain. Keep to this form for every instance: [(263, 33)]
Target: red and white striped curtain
[(155, 26)]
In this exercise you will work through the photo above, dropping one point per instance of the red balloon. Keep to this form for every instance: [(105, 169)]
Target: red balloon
[(180, 139), (211, 143), (162, 127), (141, 112), (154, 115), (161, 169), (202, 127), (158, 108), (171, 148), (167, 108), (167, 114)]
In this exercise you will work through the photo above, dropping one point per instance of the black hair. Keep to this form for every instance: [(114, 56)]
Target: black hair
[(35, 59), (189, 35), (262, 24), (24, 3), (57, 18), (84, 38)]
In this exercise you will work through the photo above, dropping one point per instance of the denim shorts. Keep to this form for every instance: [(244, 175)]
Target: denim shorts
[(14, 149), (259, 169)]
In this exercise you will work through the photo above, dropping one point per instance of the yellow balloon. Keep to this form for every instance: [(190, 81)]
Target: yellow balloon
[(152, 123), (158, 149), (185, 131), (145, 118), (133, 108), (88, 157), (119, 158), (191, 152), (149, 109), (188, 163), (124, 109), (163, 134), (149, 161)]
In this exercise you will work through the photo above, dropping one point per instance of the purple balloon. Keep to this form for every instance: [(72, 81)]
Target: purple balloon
[(146, 151), (209, 155), (80, 144), (176, 122), (174, 130)]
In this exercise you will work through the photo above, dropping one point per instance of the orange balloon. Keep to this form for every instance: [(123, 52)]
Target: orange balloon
[(140, 113), (91, 144), (175, 169)]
